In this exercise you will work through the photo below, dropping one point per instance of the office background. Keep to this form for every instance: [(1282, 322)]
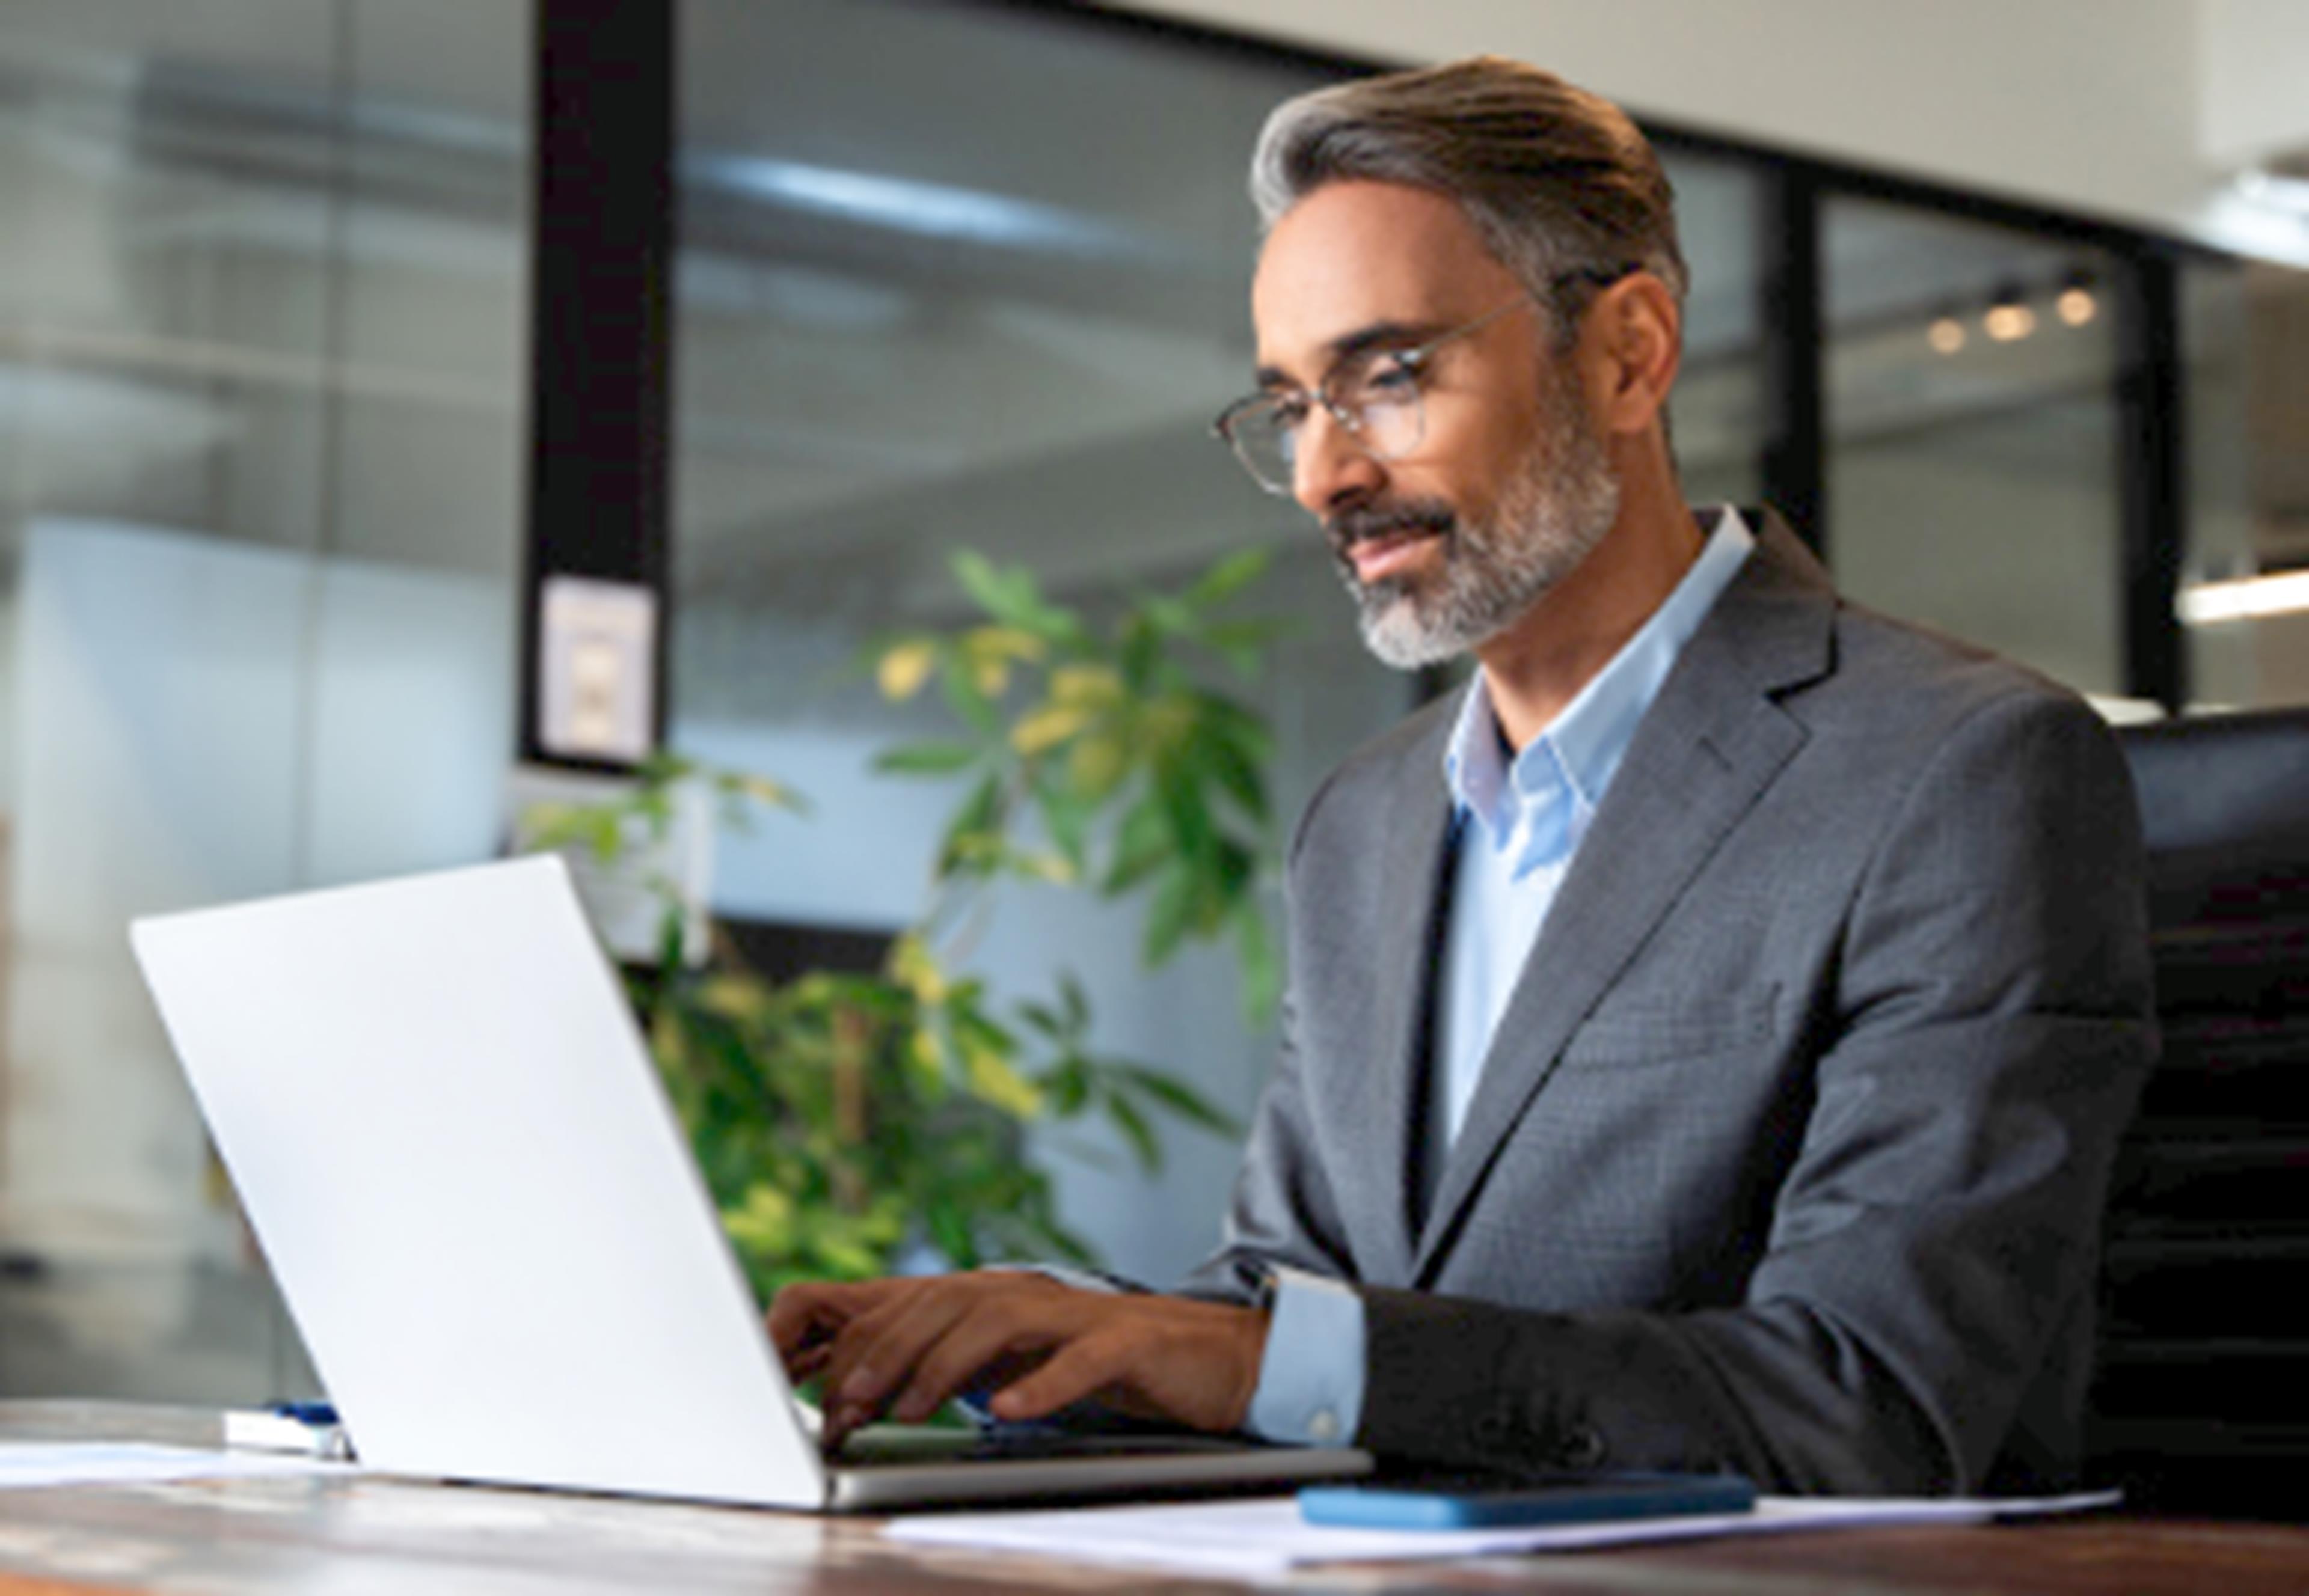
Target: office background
[(1977, 299)]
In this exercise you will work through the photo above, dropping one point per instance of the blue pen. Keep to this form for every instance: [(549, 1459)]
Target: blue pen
[(289, 1427)]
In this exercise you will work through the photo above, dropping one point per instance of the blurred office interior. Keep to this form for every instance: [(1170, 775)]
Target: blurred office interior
[(2009, 304)]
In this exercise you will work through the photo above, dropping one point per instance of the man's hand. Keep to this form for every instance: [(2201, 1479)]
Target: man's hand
[(906, 1346)]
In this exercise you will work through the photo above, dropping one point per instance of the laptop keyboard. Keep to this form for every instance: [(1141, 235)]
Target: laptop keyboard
[(886, 1446)]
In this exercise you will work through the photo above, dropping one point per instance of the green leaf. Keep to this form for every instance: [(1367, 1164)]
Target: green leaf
[(950, 1232), (1170, 616), (1010, 594), (971, 706), (762, 1221), (1040, 865), (551, 826), (995, 1081), (1065, 1086), (1227, 578), (1178, 1098), (1241, 724), (1142, 845), (1083, 1153), (1096, 765), (1216, 754), (902, 667), (974, 1027), (922, 1059), (608, 838), (990, 588), (1262, 976), (1188, 815), (1145, 1145), (1038, 732), (927, 759), (1142, 654), (1229, 873), (761, 789), (973, 843), (1068, 819), (1244, 644), (1169, 916), (663, 769)]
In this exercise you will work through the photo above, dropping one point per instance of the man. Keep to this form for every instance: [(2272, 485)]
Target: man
[(1709, 1033)]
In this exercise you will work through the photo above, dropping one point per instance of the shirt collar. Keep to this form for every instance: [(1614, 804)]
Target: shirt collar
[(1582, 746)]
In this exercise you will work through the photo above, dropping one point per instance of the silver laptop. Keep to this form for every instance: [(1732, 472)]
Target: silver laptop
[(473, 1191)]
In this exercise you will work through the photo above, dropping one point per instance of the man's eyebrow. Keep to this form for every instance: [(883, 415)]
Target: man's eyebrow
[(1375, 335)]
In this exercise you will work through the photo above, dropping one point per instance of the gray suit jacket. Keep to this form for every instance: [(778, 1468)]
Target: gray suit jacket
[(1790, 1152)]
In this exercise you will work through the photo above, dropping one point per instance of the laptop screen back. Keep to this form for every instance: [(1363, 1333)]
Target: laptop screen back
[(466, 1177)]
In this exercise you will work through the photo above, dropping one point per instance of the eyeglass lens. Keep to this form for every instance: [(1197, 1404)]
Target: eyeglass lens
[(1376, 401)]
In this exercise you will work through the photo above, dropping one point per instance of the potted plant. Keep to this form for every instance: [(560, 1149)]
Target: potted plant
[(845, 1121)]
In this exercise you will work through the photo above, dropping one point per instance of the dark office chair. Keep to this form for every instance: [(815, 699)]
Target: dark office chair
[(2201, 1404)]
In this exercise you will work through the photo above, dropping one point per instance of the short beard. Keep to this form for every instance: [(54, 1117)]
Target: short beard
[(1554, 509)]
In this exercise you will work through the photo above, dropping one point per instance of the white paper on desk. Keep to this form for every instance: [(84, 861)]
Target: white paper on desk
[(26, 1465), (1266, 1535)]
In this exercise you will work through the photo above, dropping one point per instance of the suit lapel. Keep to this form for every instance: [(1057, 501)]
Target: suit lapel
[(1710, 746)]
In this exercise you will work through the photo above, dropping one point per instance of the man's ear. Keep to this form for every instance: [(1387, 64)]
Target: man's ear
[(1633, 341)]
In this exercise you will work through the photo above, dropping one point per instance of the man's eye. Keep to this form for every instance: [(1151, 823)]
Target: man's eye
[(1288, 410), (1389, 378)]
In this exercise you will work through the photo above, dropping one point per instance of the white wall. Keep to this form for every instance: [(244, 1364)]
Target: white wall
[(2255, 79), (2132, 109), (202, 721)]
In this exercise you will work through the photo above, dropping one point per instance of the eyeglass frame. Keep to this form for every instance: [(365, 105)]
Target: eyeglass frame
[(1413, 361)]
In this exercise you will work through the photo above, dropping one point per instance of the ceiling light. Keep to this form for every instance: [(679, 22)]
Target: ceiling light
[(1946, 335), (2243, 599), (2275, 191), (2009, 321), (2077, 305), (928, 210)]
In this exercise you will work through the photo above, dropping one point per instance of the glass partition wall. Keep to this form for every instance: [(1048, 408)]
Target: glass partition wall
[(260, 396), (1719, 415), (1971, 476), (2245, 332)]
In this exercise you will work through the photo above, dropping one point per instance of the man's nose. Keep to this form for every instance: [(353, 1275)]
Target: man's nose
[(1330, 467)]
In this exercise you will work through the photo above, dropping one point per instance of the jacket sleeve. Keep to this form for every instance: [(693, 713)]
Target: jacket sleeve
[(1972, 1060)]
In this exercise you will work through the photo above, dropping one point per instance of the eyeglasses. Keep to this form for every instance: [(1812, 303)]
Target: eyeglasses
[(1376, 395)]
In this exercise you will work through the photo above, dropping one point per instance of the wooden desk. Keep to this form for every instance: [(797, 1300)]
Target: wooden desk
[(376, 1537)]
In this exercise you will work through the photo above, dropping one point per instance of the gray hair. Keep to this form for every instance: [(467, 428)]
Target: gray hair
[(1554, 179)]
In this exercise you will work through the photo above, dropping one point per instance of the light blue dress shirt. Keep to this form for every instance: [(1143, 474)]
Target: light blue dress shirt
[(1518, 826)]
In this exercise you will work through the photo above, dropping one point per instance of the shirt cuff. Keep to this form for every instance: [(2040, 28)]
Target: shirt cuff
[(1310, 1376)]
